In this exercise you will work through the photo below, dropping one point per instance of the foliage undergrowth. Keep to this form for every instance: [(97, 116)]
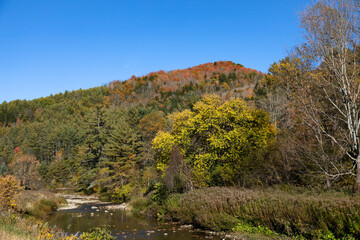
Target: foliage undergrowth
[(27, 227), (21, 211), (18, 227), (98, 233), (38, 203), (248, 228), (305, 214)]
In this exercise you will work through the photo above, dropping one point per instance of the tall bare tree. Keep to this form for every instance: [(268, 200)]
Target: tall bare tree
[(328, 85)]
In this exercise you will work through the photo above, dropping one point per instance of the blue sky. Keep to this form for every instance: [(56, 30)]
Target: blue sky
[(49, 46)]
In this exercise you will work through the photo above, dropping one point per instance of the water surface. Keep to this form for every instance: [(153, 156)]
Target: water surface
[(122, 224)]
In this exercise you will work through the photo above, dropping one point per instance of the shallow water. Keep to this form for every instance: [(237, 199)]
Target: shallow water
[(122, 224)]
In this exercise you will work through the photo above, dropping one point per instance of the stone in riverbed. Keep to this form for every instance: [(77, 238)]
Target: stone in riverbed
[(188, 227), (122, 206)]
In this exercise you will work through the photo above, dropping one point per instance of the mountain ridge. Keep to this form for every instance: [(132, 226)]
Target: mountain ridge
[(165, 91)]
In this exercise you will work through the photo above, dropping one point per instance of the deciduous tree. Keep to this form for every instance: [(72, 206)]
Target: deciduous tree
[(327, 89), (215, 139), (25, 168)]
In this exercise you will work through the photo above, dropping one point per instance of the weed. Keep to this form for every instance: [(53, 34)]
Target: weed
[(312, 215), (98, 233)]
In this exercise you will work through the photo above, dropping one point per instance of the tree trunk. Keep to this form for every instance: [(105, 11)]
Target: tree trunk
[(356, 187)]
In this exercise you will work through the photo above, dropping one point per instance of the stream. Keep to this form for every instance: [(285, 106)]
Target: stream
[(83, 213)]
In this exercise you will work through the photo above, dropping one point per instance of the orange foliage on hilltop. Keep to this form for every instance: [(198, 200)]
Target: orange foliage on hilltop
[(224, 78)]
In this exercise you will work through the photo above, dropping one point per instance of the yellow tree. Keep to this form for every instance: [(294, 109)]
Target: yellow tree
[(9, 189), (215, 139)]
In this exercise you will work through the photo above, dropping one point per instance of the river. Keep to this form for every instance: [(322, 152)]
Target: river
[(83, 214)]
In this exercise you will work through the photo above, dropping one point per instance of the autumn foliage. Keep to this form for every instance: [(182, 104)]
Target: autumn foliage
[(217, 140), (9, 189), (25, 168), (166, 90)]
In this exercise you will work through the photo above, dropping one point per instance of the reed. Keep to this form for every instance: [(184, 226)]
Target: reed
[(307, 214)]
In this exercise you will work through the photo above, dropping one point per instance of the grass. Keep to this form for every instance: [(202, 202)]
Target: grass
[(11, 236), (19, 227), (273, 211), (15, 227), (23, 222), (38, 203), (10, 232)]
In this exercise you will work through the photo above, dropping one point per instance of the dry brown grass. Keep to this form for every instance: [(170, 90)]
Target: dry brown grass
[(38, 203), (4, 235), (309, 214)]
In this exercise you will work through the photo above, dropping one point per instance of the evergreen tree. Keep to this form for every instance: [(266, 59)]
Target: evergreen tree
[(121, 154), (97, 134)]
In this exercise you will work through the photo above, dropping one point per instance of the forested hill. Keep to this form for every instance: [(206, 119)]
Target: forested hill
[(79, 138), (166, 91)]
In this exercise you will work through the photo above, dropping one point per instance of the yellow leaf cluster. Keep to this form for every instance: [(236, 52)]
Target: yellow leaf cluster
[(215, 133)]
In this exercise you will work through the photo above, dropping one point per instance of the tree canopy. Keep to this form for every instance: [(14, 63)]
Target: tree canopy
[(217, 139)]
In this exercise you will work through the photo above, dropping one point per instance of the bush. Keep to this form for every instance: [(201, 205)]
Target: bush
[(43, 208), (121, 194), (9, 189), (38, 203), (160, 192), (249, 228), (98, 233)]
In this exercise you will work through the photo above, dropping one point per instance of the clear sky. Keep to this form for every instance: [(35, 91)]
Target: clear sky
[(49, 46)]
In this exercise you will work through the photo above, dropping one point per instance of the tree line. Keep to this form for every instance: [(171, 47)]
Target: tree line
[(216, 124)]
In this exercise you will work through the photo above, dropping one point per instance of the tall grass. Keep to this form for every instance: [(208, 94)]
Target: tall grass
[(38, 203), (23, 222), (26, 228), (11, 236), (15, 227), (310, 215)]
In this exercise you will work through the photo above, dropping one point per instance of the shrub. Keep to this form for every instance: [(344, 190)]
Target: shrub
[(249, 228), (38, 203), (43, 208), (160, 192), (9, 189), (98, 233)]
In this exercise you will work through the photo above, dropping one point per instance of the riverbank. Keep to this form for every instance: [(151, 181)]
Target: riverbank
[(229, 213), (38, 203), (17, 226), (23, 220), (121, 222), (9, 232), (25, 226), (271, 212)]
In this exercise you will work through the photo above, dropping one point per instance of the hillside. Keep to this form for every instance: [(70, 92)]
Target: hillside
[(59, 130), (166, 91)]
